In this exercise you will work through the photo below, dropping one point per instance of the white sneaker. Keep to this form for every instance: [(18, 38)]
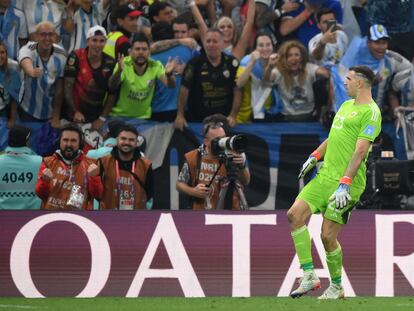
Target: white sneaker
[(333, 292), (310, 281)]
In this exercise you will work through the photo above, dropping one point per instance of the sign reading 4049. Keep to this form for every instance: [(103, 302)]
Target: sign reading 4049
[(24, 177)]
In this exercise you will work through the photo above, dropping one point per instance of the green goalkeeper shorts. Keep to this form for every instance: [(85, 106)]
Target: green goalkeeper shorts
[(317, 193)]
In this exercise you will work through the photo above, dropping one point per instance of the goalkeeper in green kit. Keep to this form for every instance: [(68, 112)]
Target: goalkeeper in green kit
[(339, 183)]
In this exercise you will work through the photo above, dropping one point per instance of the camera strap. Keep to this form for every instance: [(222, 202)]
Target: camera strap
[(198, 167)]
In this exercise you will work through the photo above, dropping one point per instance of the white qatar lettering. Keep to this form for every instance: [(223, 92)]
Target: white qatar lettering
[(241, 225), (20, 254), (182, 269), (385, 259)]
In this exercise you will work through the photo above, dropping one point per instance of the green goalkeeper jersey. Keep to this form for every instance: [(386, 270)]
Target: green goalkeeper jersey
[(352, 122)]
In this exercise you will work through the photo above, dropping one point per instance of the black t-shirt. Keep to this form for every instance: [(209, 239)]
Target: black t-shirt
[(210, 88)]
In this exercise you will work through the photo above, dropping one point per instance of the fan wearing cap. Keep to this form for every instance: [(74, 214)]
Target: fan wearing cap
[(126, 24), (397, 17), (77, 20), (374, 54), (87, 72), (19, 167)]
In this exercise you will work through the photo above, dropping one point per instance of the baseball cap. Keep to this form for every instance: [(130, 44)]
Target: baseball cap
[(377, 32), (96, 31), (127, 10)]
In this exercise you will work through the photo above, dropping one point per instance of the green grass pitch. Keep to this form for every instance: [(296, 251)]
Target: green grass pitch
[(211, 304)]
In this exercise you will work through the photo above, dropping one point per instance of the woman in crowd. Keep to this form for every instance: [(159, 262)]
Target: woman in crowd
[(259, 99), (294, 76), (10, 81)]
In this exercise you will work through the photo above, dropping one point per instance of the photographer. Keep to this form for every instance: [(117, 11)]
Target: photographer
[(213, 179)]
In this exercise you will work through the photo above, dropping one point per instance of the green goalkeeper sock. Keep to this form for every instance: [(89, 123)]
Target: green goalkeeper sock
[(334, 261), (302, 241)]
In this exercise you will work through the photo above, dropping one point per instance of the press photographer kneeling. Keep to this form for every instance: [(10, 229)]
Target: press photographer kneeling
[(214, 175)]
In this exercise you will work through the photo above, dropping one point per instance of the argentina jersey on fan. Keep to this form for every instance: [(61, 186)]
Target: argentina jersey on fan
[(36, 94)]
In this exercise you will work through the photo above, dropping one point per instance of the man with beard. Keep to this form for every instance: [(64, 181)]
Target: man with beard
[(87, 73), (135, 78), (65, 179), (126, 174)]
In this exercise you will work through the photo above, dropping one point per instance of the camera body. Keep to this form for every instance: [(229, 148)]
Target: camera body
[(223, 146)]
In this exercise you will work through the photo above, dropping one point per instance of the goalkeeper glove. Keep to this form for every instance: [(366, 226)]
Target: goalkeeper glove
[(310, 163), (342, 194)]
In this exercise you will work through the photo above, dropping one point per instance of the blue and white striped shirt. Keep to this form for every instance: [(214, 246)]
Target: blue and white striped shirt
[(36, 94), (37, 11), (404, 82), (10, 81), (13, 28), (83, 21)]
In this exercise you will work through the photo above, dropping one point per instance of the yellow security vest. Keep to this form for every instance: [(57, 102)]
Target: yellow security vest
[(111, 39)]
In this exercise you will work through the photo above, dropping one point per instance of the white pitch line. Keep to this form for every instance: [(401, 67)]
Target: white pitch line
[(16, 307)]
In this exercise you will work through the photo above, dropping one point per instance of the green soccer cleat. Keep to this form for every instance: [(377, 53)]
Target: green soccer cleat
[(333, 292), (310, 281)]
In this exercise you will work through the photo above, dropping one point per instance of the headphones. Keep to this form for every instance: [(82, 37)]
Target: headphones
[(72, 127)]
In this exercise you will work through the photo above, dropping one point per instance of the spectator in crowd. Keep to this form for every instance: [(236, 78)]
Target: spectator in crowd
[(327, 47), (302, 21), (269, 12), (259, 100), (294, 76), (38, 11), (43, 65), (77, 21), (402, 89), (87, 73), (13, 28), (135, 77), (118, 41), (203, 175), (110, 140), (180, 6), (181, 37), (127, 175), (395, 16), (160, 11), (164, 103), (65, 179), (208, 84), (374, 54), (231, 44), (10, 81), (18, 167), (181, 28)]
